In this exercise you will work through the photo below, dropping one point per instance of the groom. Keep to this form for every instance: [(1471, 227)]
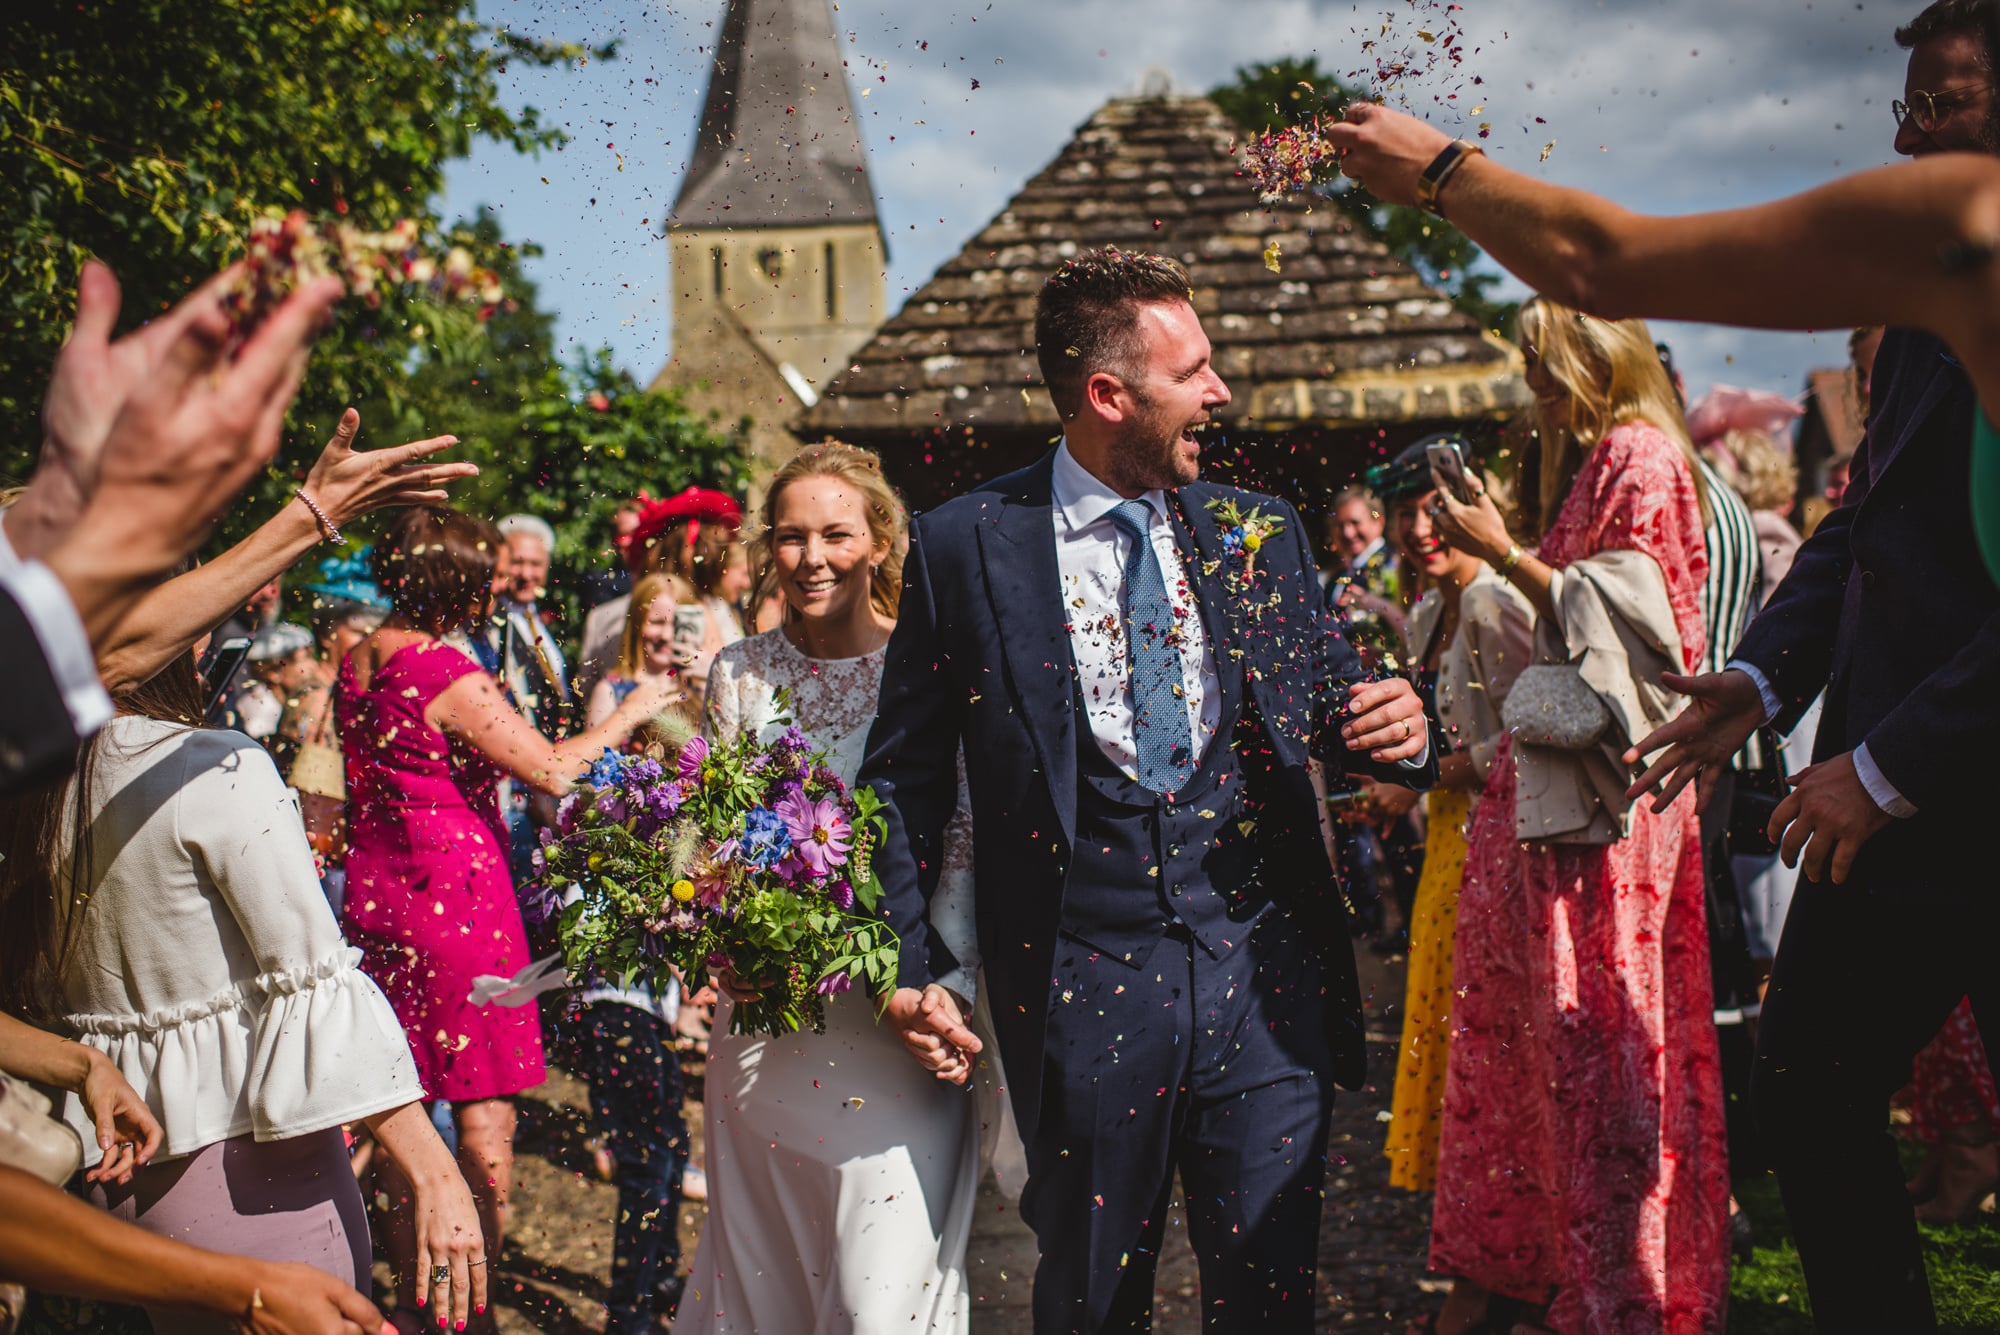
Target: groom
[(1139, 673)]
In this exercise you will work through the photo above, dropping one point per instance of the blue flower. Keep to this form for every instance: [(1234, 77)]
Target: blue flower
[(606, 770), (1232, 540), (766, 841)]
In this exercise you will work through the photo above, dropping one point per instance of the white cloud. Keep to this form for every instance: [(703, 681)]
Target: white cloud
[(1668, 105)]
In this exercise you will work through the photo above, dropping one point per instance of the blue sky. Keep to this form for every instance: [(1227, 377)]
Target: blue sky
[(1664, 105)]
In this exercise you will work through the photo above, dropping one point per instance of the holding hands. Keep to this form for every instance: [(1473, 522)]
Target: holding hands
[(932, 1025)]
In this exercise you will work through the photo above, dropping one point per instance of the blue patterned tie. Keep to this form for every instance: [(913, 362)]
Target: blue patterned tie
[(1159, 713)]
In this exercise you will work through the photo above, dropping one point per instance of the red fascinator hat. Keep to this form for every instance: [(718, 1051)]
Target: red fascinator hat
[(697, 505)]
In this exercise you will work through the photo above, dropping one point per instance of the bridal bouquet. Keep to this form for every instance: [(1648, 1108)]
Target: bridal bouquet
[(747, 855)]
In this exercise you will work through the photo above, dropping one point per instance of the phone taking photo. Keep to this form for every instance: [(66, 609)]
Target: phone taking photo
[(218, 668), (1449, 465)]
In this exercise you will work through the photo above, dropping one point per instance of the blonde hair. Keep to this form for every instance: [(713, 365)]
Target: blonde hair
[(888, 522), (1763, 474), (1612, 374), (649, 590)]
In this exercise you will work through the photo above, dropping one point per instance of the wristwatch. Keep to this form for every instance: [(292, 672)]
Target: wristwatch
[(1441, 169)]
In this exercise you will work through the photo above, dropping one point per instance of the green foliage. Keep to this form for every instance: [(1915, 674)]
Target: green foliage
[(150, 132), (1292, 92)]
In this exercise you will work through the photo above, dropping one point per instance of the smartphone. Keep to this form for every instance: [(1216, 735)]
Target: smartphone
[(690, 633), (218, 668), (1449, 465)]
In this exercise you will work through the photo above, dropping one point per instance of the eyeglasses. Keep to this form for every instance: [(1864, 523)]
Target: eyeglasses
[(1928, 110)]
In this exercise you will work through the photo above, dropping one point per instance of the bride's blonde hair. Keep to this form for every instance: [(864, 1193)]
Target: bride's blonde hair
[(888, 522), (1613, 376)]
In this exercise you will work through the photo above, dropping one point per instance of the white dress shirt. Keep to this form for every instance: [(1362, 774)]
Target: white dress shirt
[(59, 631), (1091, 551)]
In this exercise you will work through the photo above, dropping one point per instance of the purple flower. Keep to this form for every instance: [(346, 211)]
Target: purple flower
[(692, 756), (820, 833), (841, 892), (567, 811), (834, 982), (611, 804), (682, 921)]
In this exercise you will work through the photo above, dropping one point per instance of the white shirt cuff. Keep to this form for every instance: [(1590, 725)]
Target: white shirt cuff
[(59, 630), (1420, 759), (1879, 788), (1764, 692)]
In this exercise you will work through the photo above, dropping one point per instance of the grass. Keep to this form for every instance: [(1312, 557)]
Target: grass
[(1767, 1296)]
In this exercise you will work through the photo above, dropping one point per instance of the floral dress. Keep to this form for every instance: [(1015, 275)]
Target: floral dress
[(1583, 1147)]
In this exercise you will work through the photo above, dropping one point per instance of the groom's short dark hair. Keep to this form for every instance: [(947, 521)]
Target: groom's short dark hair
[(1083, 317)]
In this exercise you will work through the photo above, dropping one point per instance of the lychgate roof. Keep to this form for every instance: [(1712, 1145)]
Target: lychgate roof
[(778, 143), (1342, 334)]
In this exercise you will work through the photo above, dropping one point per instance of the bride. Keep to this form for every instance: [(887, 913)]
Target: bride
[(841, 1174)]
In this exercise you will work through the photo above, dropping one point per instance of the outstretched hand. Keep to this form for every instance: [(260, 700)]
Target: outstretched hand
[(1385, 152), (348, 483), (294, 1299), (1388, 721), (931, 1024), (127, 1132), (1723, 709)]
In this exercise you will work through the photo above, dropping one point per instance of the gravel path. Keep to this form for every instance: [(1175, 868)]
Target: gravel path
[(552, 1276)]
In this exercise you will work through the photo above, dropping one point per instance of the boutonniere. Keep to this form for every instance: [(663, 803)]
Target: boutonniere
[(1243, 536)]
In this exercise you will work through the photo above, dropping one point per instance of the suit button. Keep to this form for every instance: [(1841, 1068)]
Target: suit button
[(1867, 579), (1174, 890)]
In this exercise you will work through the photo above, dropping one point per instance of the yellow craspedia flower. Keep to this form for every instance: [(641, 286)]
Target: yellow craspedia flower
[(683, 891), (1252, 541), (596, 861)]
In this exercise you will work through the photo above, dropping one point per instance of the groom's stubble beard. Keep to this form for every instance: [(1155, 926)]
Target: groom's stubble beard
[(1146, 455)]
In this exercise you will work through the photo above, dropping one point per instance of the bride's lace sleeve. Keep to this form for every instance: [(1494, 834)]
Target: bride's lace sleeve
[(952, 906), (722, 718)]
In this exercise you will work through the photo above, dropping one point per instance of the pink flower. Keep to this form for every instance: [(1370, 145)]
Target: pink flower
[(696, 751), (820, 833)]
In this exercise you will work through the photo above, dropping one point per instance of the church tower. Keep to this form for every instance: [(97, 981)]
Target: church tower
[(777, 254)]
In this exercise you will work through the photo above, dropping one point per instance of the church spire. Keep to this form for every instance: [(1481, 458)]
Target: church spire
[(778, 144)]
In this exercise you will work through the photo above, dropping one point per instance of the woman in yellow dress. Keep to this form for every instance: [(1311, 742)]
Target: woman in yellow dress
[(1469, 636)]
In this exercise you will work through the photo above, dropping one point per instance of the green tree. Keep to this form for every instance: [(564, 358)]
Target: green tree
[(1285, 92)]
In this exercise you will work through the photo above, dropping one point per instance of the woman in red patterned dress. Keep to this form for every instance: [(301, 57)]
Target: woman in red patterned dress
[(1583, 1162)]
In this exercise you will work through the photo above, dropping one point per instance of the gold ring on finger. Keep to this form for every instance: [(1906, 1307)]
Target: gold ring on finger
[(480, 1261), (1406, 730)]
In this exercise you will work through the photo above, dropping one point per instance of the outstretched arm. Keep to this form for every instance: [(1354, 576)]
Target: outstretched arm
[(1904, 245), (345, 483)]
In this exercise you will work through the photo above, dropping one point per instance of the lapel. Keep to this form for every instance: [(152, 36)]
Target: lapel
[(1018, 560), (1941, 377), (1205, 561)]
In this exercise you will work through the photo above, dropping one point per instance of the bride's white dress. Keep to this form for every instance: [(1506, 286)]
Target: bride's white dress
[(840, 1173)]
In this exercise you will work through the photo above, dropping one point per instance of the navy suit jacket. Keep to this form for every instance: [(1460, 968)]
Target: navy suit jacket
[(981, 657), (37, 743), (1889, 608)]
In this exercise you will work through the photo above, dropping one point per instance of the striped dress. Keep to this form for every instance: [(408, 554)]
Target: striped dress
[(1729, 595)]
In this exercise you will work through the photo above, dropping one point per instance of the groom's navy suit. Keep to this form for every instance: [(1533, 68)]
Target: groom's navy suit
[(1170, 976)]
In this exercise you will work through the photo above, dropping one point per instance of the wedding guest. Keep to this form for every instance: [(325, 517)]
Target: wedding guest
[(531, 658), (427, 736), (841, 1175), (1469, 636), (646, 653), (54, 1243), (1583, 1048), (281, 669), (669, 538), (1368, 584), (163, 909), (1902, 646), (127, 1133)]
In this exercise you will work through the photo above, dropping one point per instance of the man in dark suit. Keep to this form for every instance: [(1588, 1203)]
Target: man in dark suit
[(148, 437), (1889, 609), (1140, 673)]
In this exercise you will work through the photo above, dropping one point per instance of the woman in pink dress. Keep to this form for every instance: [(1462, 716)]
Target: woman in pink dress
[(427, 736), (1583, 1162)]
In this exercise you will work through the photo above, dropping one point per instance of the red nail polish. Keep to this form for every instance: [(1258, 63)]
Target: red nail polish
[(420, 1300)]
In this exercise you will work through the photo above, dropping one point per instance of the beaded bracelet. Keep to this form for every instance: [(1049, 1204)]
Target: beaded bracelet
[(326, 525)]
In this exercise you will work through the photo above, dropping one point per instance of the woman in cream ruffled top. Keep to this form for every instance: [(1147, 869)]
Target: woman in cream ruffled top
[(207, 966)]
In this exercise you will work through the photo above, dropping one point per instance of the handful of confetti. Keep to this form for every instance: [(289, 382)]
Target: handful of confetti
[(290, 250), (1291, 160)]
